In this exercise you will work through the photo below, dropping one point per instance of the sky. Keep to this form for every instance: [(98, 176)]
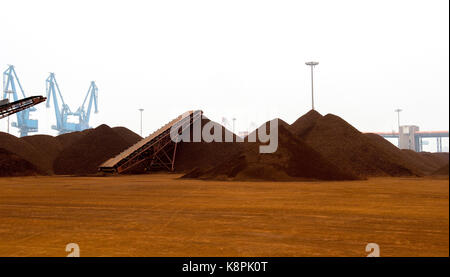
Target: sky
[(234, 59)]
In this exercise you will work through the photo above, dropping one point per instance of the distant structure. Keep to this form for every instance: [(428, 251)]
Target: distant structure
[(243, 134), (141, 110), (234, 124), (407, 138), (398, 116), (63, 113), (312, 65), (10, 84), (225, 122), (410, 137), (398, 121)]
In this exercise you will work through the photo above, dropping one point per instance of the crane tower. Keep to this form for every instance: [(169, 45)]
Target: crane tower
[(63, 112), (10, 85)]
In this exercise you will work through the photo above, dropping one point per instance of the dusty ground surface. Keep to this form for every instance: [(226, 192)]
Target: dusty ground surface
[(159, 215)]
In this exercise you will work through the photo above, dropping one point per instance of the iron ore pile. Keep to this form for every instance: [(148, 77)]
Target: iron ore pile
[(77, 153), (313, 147)]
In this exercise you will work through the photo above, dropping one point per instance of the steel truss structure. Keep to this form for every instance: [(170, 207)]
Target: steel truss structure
[(13, 87), (20, 105), (63, 112), (155, 152)]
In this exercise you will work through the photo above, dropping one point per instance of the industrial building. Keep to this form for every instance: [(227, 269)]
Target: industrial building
[(410, 137)]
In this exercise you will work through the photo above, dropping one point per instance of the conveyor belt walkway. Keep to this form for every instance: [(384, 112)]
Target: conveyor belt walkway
[(157, 150)]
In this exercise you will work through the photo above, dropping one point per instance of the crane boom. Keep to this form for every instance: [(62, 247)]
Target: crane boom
[(62, 113), (53, 91), (92, 94)]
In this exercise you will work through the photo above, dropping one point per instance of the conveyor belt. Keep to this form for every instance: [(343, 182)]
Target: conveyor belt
[(20, 105), (149, 147)]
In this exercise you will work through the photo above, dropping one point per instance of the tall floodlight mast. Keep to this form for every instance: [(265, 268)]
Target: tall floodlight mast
[(398, 117), (234, 124), (141, 110), (312, 65), (398, 122)]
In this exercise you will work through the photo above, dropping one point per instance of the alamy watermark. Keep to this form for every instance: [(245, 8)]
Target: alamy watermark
[(373, 249), (73, 249), (212, 132)]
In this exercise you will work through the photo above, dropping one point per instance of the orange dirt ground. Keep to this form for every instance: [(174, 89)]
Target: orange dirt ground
[(160, 215)]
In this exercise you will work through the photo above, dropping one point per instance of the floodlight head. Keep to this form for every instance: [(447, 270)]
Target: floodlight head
[(141, 110), (312, 63), (398, 110)]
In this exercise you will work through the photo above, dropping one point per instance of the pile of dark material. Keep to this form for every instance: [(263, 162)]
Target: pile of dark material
[(292, 160), (74, 153), (351, 150), (442, 171), (324, 148), (13, 165), (203, 155), (313, 147)]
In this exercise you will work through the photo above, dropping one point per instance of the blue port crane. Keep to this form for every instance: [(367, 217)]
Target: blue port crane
[(10, 84), (63, 113)]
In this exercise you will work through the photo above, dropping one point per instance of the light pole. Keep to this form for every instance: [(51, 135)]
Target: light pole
[(398, 117), (312, 65), (234, 120), (141, 110), (398, 122)]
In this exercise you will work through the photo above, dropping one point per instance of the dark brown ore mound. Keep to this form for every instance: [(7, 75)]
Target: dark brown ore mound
[(442, 156), (68, 139), (437, 159), (14, 165), (305, 123), (205, 155), (350, 150), (25, 151), (93, 147), (46, 147), (72, 153), (427, 162), (442, 171), (292, 160), (127, 135), (394, 154)]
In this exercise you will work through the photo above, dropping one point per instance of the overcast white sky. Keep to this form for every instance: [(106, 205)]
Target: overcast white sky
[(242, 59)]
